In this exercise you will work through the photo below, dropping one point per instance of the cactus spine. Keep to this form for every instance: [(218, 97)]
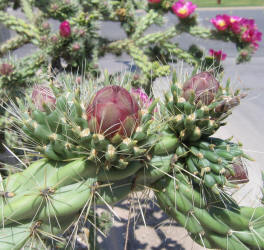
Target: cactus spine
[(85, 163)]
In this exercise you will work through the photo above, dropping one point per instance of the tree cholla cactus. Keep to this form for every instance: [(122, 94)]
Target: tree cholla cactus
[(84, 163), (92, 142), (79, 39)]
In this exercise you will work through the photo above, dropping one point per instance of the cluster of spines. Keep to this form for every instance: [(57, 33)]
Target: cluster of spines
[(53, 196), (190, 120), (62, 133), (212, 161), (211, 224)]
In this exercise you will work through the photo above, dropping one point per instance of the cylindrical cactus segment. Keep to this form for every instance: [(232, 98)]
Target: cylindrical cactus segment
[(216, 222), (63, 128), (198, 108)]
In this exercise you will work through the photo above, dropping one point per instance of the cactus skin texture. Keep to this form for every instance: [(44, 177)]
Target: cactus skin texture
[(81, 168), (211, 223)]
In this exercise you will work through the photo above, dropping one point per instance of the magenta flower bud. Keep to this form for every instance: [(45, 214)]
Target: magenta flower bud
[(183, 8), (244, 53), (142, 97), (204, 86), (54, 39), (65, 29), (43, 95), (113, 110), (6, 69), (82, 32), (221, 22), (76, 46), (240, 172), (154, 1), (218, 55), (46, 26)]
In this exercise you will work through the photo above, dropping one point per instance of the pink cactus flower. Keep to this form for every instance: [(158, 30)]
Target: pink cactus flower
[(218, 55), (204, 86), (221, 22), (250, 32), (234, 22), (154, 1), (251, 36), (43, 95), (65, 29), (113, 110), (234, 19), (183, 8)]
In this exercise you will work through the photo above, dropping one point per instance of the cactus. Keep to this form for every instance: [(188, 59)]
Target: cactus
[(79, 39), (90, 148), (211, 222), (97, 148)]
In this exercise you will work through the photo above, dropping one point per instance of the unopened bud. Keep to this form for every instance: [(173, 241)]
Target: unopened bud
[(43, 95), (54, 39), (46, 25), (76, 46), (6, 69)]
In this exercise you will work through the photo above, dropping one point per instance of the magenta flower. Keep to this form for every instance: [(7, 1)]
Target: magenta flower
[(43, 95), (154, 1), (113, 110), (219, 55), (221, 22), (234, 22), (234, 19), (183, 8), (65, 29), (250, 32)]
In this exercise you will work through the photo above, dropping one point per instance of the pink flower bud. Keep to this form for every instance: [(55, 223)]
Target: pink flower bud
[(82, 32), (218, 55), (43, 95), (142, 97), (240, 172), (54, 39), (65, 29), (204, 86), (46, 26), (154, 1), (183, 8), (6, 69), (76, 46), (54, 7), (244, 53), (113, 110)]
